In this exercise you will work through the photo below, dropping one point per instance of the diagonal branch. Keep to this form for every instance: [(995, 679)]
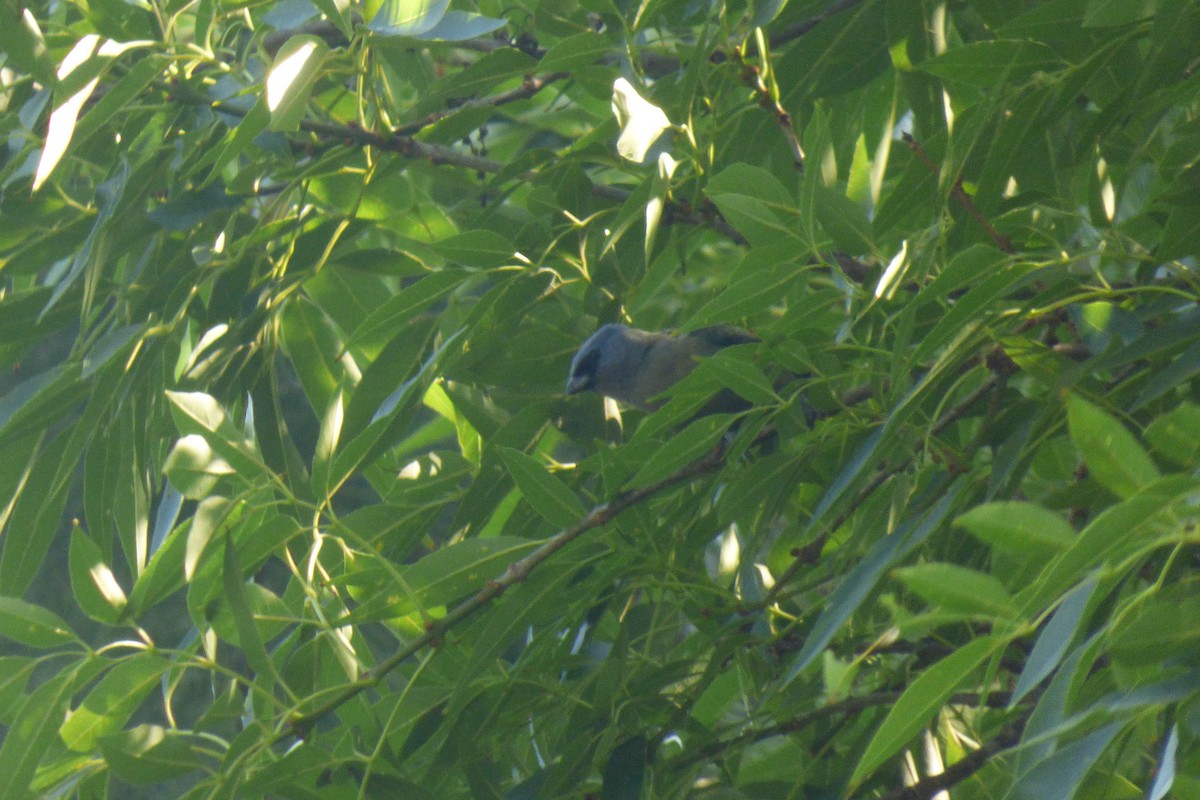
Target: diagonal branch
[(808, 555), (961, 196), (299, 726)]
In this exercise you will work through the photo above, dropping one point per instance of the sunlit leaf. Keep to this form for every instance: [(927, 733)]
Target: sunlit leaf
[(290, 81)]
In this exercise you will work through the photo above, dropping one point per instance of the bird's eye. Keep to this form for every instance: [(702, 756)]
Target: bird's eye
[(587, 365)]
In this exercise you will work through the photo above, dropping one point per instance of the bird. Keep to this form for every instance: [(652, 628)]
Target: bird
[(634, 366)]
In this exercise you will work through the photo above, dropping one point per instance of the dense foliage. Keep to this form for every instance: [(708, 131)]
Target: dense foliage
[(294, 505)]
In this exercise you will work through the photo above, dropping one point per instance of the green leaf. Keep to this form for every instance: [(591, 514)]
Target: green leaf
[(408, 17), (738, 374), (920, 701), (459, 26), (1054, 641), (36, 514), (199, 413), (1121, 529), (21, 40), (22, 402), (187, 209), (327, 441), (972, 309), (1113, 456), (990, 63), (194, 468), (1176, 434), (316, 350), (33, 733), (250, 124), (641, 122), (1153, 633), (548, 495), (479, 248), (209, 515), (291, 78), (494, 68), (1059, 776), (694, 441), (1183, 367), (1164, 776), (575, 51), (237, 601), (393, 315), (852, 590), (151, 753), (844, 221), (754, 202), (96, 589), (69, 102), (438, 579), (1109, 13), (959, 590), (1019, 529), (757, 283), (625, 770), (33, 625), (111, 702)]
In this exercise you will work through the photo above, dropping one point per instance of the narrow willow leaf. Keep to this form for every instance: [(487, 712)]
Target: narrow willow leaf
[(110, 703), (1176, 434), (408, 17), (62, 121), (920, 701), (440, 578), (238, 603), (548, 495), (959, 590), (575, 51), (149, 754), (459, 26), (690, 444), (1164, 777), (390, 318), (291, 78), (1054, 641), (625, 770), (1019, 529), (641, 121), (33, 733), (95, 587), (33, 625), (1059, 776), (1112, 454)]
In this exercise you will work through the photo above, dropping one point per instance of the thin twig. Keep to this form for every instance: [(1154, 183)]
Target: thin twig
[(961, 196), (849, 705), (752, 76), (528, 88)]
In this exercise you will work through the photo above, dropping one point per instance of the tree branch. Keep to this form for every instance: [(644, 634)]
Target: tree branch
[(752, 77), (961, 196), (299, 726), (959, 771), (808, 555), (849, 705)]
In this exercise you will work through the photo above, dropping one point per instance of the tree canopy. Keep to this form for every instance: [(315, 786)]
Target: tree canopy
[(293, 501)]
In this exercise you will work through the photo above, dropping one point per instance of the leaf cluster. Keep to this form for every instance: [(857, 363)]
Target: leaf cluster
[(293, 504)]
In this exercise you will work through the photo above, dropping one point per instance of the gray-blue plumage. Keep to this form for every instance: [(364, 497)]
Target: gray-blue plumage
[(634, 366)]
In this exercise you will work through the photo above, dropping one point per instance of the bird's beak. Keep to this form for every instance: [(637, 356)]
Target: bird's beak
[(577, 384)]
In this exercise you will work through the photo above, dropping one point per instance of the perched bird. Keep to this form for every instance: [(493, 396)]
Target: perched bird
[(635, 366)]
